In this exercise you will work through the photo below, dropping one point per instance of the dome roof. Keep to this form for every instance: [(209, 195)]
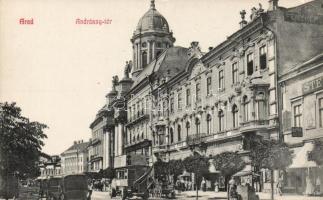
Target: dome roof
[(152, 21)]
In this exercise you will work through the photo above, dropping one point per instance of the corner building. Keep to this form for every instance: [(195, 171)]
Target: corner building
[(216, 101), (183, 100)]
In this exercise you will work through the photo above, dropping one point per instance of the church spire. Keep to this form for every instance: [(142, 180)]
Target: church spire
[(152, 4)]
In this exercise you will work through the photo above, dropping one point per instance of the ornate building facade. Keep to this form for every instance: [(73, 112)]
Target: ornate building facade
[(181, 100)]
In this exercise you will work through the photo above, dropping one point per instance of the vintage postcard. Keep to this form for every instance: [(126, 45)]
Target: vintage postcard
[(161, 99)]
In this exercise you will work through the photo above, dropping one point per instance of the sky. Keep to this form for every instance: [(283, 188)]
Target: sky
[(58, 72)]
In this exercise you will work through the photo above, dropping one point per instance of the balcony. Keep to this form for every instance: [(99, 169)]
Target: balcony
[(196, 139), (95, 141), (95, 157), (137, 145), (178, 145), (254, 125), (134, 120), (160, 149)]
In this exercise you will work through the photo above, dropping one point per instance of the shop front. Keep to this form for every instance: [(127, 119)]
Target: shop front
[(303, 177)]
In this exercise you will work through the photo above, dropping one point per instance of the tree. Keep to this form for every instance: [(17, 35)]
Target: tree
[(161, 169), (176, 168), (21, 142), (228, 163), (316, 154), (269, 154), (199, 165), (108, 173)]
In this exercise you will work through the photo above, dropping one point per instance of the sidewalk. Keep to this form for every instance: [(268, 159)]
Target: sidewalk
[(223, 195)]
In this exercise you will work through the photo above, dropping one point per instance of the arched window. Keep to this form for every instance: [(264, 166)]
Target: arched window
[(188, 126), (198, 125), (179, 136), (208, 124), (235, 117), (221, 120), (142, 135), (138, 137), (144, 58), (171, 135), (245, 105)]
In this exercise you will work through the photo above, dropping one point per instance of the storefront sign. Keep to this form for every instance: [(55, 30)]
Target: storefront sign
[(297, 132), (313, 85)]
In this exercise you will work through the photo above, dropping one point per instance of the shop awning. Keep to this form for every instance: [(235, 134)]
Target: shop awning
[(246, 171), (300, 159)]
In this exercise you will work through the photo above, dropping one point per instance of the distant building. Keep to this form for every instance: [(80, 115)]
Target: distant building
[(75, 158), (49, 166), (97, 149)]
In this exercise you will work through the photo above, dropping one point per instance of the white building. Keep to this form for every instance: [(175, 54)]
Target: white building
[(75, 158)]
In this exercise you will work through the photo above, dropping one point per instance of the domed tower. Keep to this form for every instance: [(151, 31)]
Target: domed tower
[(151, 38)]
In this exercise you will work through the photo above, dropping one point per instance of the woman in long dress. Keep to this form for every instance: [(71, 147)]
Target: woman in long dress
[(309, 185)]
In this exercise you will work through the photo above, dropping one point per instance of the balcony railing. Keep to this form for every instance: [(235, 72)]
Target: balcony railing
[(138, 118), (254, 125), (196, 138), (178, 145), (95, 157), (160, 148)]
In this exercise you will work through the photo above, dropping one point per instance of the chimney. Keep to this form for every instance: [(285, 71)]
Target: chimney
[(210, 48), (273, 5), (75, 142)]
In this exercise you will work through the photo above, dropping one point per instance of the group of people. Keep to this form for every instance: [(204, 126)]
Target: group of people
[(183, 185)]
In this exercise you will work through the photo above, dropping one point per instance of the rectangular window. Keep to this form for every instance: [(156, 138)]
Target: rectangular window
[(172, 104), (159, 110), (234, 73), (188, 97), (164, 108), (221, 79), (250, 64), (298, 116), (130, 114), (179, 100), (198, 92), (209, 86), (263, 57), (142, 107), (321, 111), (138, 109)]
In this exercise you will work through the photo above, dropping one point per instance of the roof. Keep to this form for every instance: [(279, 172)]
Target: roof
[(172, 61), (152, 20), (80, 147)]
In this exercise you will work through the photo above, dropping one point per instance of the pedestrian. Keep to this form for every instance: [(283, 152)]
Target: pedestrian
[(318, 186), (309, 185), (280, 185), (233, 193), (90, 188), (216, 186)]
